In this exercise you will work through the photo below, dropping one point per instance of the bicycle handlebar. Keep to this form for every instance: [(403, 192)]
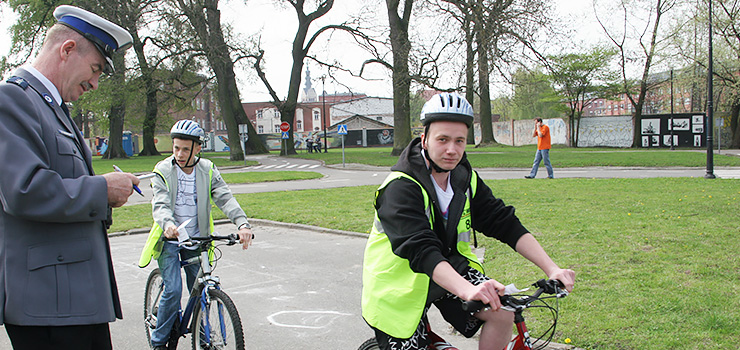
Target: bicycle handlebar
[(231, 238), (543, 286)]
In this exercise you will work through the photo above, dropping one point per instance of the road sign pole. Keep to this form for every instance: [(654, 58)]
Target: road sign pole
[(342, 151)]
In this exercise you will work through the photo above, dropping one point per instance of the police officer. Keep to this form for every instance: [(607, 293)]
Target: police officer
[(57, 284)]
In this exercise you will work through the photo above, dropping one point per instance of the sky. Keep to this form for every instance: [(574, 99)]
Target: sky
[(278, 29)]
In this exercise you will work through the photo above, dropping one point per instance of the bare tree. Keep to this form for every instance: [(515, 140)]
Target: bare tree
[(302, 44), (399, 16), (649, 41), (205, 19)]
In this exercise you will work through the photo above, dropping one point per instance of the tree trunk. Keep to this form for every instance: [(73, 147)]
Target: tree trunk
[(637, 116), (735, 124), (469, 73), (287, 108), (486, 127), (206, 21), (401, 46), (149, 148), (117, 110)]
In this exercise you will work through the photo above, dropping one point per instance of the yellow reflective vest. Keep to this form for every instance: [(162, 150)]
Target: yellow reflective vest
[(153, 245), (393, 295)]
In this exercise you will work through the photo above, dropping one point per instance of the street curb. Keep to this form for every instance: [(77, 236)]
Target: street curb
[(259, 222)]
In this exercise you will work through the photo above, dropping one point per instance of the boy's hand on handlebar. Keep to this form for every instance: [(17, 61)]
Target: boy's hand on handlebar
[(487, 292), (566, 276), (170, 232), (245, 237)]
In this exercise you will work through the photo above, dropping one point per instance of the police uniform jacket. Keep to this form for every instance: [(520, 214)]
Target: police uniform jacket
[(55, 262)]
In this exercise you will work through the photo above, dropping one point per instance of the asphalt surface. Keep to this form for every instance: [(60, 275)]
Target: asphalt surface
[(299, 286)]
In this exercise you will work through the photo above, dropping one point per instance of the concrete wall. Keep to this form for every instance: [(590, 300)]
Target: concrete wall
[(519, 132), (605, 132)]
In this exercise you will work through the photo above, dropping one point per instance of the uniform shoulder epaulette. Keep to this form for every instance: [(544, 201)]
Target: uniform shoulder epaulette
[(18, 81)]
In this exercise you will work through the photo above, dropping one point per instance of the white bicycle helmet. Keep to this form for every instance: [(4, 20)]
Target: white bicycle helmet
[(188, 130), (447, 107)]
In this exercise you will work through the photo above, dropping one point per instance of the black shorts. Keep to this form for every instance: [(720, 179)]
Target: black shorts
[(450, 306)]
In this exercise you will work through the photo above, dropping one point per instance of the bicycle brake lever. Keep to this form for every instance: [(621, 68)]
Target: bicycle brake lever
[(187, 243)]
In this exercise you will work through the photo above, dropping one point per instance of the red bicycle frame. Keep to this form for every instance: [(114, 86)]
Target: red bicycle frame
[(521, 341)]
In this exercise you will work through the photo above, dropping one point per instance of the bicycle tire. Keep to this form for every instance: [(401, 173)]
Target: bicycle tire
[(233, 336), (370, 344), (152, 295)]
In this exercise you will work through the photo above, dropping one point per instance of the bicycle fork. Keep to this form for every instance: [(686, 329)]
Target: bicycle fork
[(205, 306)]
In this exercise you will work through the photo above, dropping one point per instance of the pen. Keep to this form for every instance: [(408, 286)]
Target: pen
[(136, 188), (146, 176)]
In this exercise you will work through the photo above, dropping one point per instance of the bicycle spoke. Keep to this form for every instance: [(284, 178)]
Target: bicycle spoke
[(218, 323)]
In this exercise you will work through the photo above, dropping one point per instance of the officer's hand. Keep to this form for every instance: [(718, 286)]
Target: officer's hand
[(120, 187)]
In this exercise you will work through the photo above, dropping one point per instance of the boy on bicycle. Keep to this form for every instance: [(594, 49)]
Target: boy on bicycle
[(418, 252), (183, 190)]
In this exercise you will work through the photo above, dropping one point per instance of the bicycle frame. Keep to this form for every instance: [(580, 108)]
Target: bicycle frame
[(207, 304), (521, 341), (204, 282)]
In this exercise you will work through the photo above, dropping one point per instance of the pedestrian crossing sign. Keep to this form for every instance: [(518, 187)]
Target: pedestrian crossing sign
[(285, 135), (342, 129)]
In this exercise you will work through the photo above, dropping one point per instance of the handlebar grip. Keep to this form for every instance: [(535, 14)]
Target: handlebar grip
[(473, 305)]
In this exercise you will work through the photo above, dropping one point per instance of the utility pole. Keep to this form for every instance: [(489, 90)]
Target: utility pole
[(710, 106)]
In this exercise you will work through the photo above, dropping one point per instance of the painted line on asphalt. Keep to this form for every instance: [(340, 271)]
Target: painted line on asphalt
[(316, 317)]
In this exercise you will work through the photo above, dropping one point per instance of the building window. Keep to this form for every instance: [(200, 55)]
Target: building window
[(299, 125), (316, 115), (277, 128), (259, 114), (316, 128), (260, 129)]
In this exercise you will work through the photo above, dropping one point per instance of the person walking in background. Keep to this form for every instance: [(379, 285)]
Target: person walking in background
[(542, 133), (57, 284)]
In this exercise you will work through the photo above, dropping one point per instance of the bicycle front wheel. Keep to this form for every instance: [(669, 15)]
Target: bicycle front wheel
[(370, 344), (152, 295), (217, 326)]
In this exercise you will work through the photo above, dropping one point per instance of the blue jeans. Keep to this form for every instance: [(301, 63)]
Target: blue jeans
[(169, 305), (542, 154)]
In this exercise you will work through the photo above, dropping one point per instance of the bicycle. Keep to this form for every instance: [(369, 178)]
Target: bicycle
[(216, 323), (516, 303)]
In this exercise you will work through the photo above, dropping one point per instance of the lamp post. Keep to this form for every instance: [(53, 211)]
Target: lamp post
[(710, 105), (323, 108), (671, 121)]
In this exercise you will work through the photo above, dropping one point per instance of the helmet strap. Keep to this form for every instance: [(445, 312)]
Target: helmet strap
[(432, 163), (189, 158)]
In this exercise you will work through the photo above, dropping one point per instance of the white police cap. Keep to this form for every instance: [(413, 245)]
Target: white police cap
[(107, 36)]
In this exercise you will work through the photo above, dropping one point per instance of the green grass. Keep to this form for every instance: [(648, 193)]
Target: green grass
[(137, 164), (269, 176), (656, 259), (561, 157)]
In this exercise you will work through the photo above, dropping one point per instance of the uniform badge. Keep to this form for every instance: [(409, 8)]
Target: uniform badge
[(18, 81), (48, 98)]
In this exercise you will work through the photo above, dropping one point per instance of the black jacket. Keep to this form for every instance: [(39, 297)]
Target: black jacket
[(400, 208)]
